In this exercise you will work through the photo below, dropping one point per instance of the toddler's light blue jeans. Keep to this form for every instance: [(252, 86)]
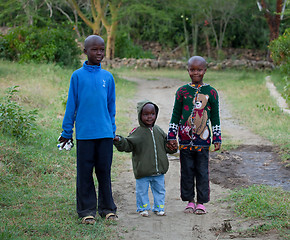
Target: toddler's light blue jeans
[(157, 185)]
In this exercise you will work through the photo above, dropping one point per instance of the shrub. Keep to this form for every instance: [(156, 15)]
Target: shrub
[(41, 45), (14, 119), (280, 53), (125, 48)]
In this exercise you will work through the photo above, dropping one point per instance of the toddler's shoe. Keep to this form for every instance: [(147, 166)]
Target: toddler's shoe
[(161, 213), (144, 213)]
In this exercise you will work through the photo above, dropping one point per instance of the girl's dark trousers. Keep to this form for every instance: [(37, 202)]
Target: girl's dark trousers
[(194, 173), (94, 154)]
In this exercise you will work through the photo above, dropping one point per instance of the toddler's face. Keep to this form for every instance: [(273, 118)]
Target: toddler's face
[(148, 115)]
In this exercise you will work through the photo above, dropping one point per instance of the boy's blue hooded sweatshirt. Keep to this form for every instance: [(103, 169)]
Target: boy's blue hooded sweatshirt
[(91, 104), (148, 147)]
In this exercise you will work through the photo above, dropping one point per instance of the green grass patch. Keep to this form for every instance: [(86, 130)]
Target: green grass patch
[(271, 205)]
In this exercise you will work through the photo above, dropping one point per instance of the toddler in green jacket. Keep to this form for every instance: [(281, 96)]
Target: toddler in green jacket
[(149, 147)]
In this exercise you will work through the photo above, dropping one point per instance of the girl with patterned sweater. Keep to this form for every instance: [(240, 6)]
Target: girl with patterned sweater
[(196, 104)]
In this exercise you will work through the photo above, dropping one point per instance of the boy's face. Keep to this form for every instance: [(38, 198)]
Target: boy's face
[(95, 51), (148, 115), (196, 70)]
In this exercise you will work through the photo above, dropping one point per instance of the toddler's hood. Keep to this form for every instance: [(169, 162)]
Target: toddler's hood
[(140, 106)]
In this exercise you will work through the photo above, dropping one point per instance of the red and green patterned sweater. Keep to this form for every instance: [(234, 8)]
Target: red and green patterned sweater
[(194, 107)]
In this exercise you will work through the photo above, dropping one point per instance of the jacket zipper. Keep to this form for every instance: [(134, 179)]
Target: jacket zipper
[(155, 151)]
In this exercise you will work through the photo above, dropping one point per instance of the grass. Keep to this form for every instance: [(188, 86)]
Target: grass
[(37, 194), (268, 204)]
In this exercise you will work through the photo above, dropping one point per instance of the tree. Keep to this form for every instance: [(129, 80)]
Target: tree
[(273, 18), (95, 23), (218, 14), (194, 10), (247, 28), (102, 12), (24, 12), (149, 20), (110, 25), (59, 5)]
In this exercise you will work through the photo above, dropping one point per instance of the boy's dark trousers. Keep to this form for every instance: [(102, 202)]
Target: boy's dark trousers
[(94, 154), (194, 171)]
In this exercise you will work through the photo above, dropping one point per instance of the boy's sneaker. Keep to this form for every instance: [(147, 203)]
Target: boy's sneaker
[(144, 213), (161, 213)]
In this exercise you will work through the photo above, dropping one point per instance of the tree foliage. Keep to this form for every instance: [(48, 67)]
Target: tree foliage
[(26, 44), (206, 25), (280, 52)]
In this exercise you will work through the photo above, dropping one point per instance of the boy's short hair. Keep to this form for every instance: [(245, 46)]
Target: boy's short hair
[(92, 37), (197, 58)]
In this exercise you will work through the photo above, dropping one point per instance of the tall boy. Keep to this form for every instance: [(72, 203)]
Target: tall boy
[(148, 144), (196, 104), (91, 107)]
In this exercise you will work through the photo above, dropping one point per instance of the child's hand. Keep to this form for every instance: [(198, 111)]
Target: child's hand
[(117, 139), (63, 140), (65, 143), (172, 145), (217, 146)]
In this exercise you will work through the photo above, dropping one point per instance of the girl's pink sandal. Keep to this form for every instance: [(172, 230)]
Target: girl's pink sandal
[(190, 208), (200, 209)]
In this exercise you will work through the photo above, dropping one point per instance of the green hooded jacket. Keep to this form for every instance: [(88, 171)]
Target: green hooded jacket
[(148, 147)]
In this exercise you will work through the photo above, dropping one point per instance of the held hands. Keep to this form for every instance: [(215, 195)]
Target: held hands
[(116, 139), (172, 145)]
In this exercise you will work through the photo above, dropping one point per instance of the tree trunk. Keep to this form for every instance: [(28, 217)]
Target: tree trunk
[(110, 48), (110, 28), (194, 30), (185, 36), (273, 20), (207, 44)]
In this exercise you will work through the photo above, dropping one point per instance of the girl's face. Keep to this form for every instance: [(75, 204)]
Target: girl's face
[(148, 115), (196, 70)]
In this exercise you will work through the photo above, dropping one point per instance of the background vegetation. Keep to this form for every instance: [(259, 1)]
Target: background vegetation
[(194, 27), (51, 31)]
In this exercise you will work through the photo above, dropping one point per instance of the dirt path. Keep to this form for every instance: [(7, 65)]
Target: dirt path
[(178, 225)]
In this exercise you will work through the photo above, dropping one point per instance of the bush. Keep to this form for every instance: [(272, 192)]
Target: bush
[(280, 53), (125, 48), (43, 45), (14, 119)]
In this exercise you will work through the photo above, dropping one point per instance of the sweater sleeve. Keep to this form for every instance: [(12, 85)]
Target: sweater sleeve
[(165, 142), (112, 104), (215, 117), (123, 145), (176, 115), (71, 107)]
